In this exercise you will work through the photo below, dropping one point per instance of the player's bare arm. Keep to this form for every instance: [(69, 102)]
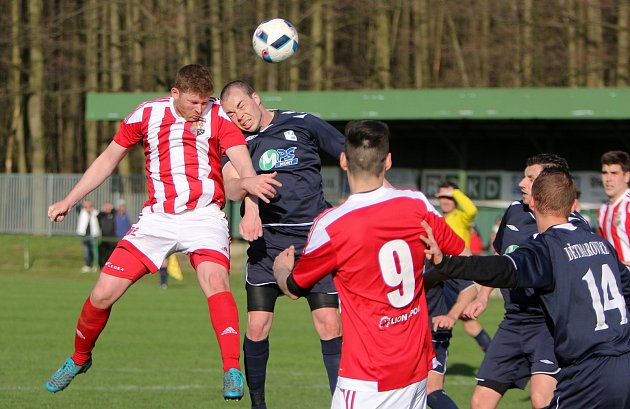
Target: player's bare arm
[(479, 304), (99, 170), (282, 268), (240, 178), (449, 320), (250, 226)]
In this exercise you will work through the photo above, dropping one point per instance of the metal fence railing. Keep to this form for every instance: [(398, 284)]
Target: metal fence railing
[(24, 200)]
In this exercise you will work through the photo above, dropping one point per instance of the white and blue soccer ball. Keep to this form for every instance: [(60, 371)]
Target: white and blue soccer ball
[(275, 40)]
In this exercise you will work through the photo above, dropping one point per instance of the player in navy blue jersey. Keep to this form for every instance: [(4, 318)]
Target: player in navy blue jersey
[(286, 144), (442, 319), (522, 347), (583, 290)]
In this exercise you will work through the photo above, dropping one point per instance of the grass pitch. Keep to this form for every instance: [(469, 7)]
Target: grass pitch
[(159, 350)]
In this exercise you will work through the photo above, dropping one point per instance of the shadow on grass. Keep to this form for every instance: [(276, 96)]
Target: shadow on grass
[(461, 369)]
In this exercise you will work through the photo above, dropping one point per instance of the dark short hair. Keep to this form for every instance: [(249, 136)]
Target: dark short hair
[(195, 79), (548, 160), (617, 158), (554, 192), (367, 146)]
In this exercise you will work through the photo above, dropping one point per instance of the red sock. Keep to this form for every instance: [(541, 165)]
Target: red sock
[(91, 323), (224, 318)]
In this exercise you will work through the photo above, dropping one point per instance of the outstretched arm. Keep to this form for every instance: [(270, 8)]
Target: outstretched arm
[(474, 268), (249, 188), (99, 170)]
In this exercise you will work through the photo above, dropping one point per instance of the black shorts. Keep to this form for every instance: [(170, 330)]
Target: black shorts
[(263, 251), (263, 298)]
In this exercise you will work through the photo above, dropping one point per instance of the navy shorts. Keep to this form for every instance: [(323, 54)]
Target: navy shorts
[(598, 382), (441, 341), (518, 350), (263, 251)]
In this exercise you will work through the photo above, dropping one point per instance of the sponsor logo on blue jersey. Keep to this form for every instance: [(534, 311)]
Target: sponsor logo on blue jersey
[(278, 158)]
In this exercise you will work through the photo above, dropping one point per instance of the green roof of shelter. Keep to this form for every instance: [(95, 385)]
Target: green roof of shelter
[(416, 104)]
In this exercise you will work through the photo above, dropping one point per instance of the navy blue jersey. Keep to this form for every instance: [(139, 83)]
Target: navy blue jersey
[(582, 287), (517, 225), (436, 301), (290, 145)]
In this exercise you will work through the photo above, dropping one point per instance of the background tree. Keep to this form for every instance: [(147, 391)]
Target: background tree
[(55, 52)]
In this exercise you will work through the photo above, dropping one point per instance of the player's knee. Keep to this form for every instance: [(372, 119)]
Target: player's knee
[(258, 329), (327, 326), (102, 300), (213, 280)]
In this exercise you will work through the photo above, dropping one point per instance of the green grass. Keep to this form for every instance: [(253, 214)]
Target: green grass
[(158, 350)]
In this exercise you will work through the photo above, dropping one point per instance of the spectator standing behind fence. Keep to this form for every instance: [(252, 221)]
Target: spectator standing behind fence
[(106, 221), (612, 218), (459, 212), (90, 230), (122, 222)]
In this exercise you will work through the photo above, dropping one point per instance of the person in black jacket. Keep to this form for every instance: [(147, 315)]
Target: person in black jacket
[(106, 220)]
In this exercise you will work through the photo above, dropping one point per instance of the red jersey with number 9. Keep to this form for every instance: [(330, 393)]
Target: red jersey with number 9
[(371, 245)]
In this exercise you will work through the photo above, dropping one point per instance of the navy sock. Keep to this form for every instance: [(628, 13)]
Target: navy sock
[(483, 339), (331, 352), (256, 357), (440, 400)]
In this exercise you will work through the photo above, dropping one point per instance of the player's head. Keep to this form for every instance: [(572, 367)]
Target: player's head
[(366, 151), (615, 173), (191, 91), (534, 166), (554, 192), (243, 106)]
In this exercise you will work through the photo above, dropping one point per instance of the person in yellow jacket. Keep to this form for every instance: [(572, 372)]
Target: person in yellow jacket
[(459, 212)]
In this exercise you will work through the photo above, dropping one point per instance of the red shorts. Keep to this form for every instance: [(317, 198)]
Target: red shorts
[(201, 233)]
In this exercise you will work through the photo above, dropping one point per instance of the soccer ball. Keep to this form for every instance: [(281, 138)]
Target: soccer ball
[(275, 40)]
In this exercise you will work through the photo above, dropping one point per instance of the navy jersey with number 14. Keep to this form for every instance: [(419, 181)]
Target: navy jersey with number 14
[(582, 287)]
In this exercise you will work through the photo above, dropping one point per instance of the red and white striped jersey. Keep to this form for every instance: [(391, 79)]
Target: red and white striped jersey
[(613, 224), (183, 163), (371, 244)]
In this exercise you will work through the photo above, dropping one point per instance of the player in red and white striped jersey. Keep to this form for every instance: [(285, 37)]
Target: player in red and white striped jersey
[(183, 136), (371, 245), (613, 218)]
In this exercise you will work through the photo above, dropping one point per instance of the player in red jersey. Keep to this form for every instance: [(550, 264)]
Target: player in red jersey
[(370, 244), (183, 136), (613, 218)]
